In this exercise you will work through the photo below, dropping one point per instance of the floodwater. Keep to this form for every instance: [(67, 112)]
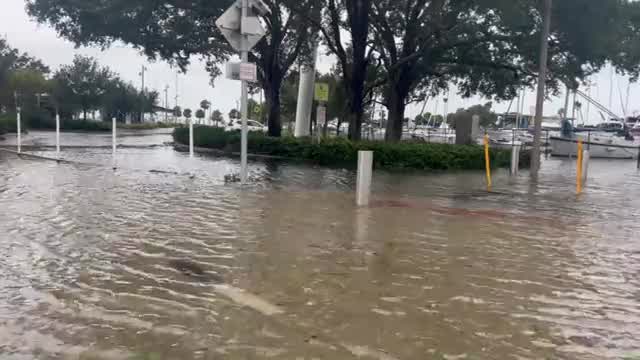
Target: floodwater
[(435, 268)]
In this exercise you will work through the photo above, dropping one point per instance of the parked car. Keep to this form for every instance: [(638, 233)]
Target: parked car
[(252, 125)]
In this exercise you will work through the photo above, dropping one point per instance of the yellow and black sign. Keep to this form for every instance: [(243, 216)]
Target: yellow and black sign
[(322, 92)]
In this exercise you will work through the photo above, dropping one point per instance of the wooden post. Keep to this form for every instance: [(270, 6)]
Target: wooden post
[(363, 185)]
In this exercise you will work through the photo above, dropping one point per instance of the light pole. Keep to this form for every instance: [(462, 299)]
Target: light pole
[(542, 77), (166, 102), (142, 92)]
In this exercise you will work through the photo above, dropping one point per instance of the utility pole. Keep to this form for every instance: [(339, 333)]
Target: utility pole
[(142, 92), (176, 117), (244, 54), (166, 102), (542, 78)]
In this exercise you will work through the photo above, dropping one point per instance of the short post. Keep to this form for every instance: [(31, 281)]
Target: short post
[(363, 185), (113, 142), (579, 169), (487, 161), (57, 136), (515, 159), (585, 166), (19, 128), (190, 137)]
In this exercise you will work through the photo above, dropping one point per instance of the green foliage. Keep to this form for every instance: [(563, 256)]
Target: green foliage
[(82, 85), (200, 114), (216, 117), (187, 113), (343, 152), (487, 117)]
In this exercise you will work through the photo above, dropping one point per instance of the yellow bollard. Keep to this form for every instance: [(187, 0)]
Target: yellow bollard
[(579, 169), (487, 161)]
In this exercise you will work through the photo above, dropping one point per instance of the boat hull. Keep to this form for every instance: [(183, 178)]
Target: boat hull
[(568, 147)]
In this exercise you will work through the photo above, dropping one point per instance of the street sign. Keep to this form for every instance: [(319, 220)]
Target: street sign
[(321, 115), (322, 92), (234, 27), (248, 72)]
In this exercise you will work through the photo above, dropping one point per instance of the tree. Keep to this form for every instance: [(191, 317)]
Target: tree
[(205, 105), (177, 111), (187, 114), (200, 115), (234, 114), (216, 117), (487, 47), (82, 84), (176, 30), (353, 59), (19, 72), (487, 117)]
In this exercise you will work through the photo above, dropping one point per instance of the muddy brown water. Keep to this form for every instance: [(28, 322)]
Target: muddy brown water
[(435, 268)]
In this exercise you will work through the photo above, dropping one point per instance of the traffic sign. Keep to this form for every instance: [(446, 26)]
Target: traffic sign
[(322, 92), (248, 72), (234, 27)]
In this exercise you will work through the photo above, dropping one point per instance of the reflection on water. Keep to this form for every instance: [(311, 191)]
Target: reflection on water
[(435, 268)]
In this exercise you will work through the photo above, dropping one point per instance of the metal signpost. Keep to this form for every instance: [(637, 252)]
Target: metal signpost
[(242, 29), (322, 97)]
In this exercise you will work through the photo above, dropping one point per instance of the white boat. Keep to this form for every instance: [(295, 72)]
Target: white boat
[(599, 145)]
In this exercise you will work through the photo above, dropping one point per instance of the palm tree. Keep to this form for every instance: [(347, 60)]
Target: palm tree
[(200, 115), (205, 105)]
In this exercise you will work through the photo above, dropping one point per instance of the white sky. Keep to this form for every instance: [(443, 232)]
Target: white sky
[(42, 42)]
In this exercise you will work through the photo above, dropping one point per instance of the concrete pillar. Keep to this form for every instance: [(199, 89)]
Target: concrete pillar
[(365, 170), (57, 136), (585, 166), (114, 141), (19, 128), (305, 97), (190, 137), (515, 159)]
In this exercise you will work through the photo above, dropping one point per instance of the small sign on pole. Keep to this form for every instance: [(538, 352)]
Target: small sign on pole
[(322, 92), (248, 72)]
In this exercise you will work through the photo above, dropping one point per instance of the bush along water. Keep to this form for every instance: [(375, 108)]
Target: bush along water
[(342, 152), (43, 120)]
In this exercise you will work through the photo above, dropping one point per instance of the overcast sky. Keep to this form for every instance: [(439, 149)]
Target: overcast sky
[(43, 42)]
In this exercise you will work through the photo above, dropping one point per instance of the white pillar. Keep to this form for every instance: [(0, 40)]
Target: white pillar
[(305, 97), (585, 166), (19, 128), (190, 137), (515, 159), (363, 185), (57, 136), (113, 142)]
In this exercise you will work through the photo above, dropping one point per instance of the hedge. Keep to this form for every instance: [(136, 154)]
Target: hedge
[(342, 152), (42, 120)]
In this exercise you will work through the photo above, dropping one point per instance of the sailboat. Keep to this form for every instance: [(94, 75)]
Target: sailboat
[(601, 141)]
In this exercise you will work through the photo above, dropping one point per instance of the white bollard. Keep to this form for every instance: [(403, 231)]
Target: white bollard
[(585, 166), (515, 159), (365, 169), (190, 137), (113, 139), (19, 128), (57, 136)]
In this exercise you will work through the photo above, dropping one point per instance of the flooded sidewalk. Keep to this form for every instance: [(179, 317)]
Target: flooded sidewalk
[(435, 268)]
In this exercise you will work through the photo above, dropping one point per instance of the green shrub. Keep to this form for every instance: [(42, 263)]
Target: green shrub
[(342, 152)]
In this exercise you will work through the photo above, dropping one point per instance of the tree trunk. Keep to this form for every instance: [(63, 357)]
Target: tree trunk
[(272, 94), (396, 106), (84, 116)]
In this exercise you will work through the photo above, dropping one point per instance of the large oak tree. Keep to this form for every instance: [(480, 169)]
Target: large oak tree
[(177, 30), (488, 47)]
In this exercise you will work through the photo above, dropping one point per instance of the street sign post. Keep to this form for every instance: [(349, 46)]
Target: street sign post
[(241, 26)]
